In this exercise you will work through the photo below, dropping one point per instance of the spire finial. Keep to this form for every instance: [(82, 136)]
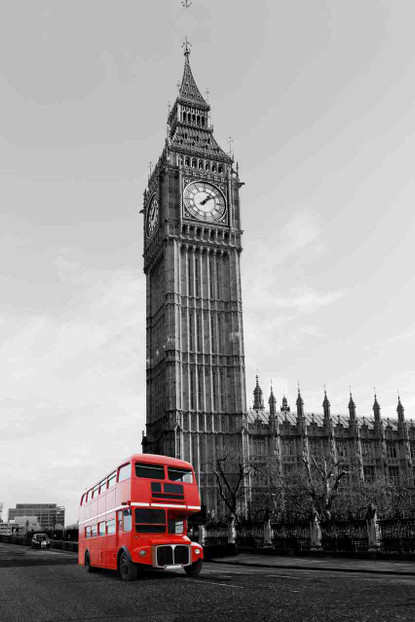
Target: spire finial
[(230, 141), (186, 46)]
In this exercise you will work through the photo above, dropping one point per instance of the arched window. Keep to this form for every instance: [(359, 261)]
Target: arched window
[(193, 118), (200, 163), (213, 168), (194, 162), (187, 161), (203, 120), (184, 116), (207, 166), (180, 159), (198, 120), (220, 168)]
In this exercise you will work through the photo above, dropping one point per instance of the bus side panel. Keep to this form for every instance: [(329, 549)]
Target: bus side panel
[(110, 499), (110, 546), (123, 492)]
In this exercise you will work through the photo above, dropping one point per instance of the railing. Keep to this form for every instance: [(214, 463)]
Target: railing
[(395, 536)]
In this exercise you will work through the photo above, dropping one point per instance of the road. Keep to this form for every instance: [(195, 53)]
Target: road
[(48, 586)]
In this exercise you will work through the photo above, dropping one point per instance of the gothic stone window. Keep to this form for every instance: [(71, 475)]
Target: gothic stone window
[(369, 473), (366, 450), (391, 450), (394, 474), (341, 449)]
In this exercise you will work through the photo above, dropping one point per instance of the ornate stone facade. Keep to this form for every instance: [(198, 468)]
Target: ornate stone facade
[(371, 447)]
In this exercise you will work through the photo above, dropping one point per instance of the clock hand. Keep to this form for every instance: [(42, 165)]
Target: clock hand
[(208, 198)]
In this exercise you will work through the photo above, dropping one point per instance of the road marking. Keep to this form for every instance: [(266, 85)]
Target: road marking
[(240, 587)]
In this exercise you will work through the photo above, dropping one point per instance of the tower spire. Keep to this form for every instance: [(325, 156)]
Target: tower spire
[(326, 405), (258, 399), (400, 410), (300, 405), (272, 403), (376, 408)]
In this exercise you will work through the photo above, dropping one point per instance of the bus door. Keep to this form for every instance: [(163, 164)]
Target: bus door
[(124, 528)]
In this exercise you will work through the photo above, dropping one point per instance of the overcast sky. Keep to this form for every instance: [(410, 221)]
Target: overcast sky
[(318, 97)]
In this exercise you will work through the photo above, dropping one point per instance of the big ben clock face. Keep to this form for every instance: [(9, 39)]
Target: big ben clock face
[(152, 216), (204, 201)]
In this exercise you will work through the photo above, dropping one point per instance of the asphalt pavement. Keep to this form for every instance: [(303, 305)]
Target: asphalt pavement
[(49, 586)]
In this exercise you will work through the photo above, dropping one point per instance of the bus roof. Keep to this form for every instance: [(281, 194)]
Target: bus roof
[(149, 459)]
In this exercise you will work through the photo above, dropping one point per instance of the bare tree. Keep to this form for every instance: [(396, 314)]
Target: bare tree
[(230, 484), (324, 478)]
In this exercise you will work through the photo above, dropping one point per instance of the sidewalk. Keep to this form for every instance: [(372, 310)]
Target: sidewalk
[(323, 563)]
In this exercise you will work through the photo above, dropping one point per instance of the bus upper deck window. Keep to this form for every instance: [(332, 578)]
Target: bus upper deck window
[(124, 472), (112, 479), (180, 475), (151, 471)]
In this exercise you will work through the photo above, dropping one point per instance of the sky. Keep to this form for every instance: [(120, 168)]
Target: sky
[(318, 97)]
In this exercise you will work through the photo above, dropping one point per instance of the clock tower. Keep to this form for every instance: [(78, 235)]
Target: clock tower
[(192, 244)]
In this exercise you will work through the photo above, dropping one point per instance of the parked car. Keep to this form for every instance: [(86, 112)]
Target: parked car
[(40, 541)]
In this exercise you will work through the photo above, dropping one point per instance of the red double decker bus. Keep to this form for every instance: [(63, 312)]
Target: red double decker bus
[(137, 516)]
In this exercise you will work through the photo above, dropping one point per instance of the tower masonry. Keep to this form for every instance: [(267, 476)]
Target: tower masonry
[(194, 334)]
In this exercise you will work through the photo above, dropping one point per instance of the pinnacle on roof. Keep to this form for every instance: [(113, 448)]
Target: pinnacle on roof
[(188, 91), (258, 399), (376, 408), (300, 401), (351, 402), (272, 403), (272, 397), (400, 409)]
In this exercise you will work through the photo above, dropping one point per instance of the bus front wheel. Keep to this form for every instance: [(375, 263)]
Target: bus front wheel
[(128, 571), (194, 569)]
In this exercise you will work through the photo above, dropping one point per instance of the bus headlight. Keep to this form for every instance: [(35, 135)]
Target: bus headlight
[(142, 553), (197, 551)]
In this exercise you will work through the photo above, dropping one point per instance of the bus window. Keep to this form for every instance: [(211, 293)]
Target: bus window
[(124, 472), (150, 521), (112, 479), (101, 528), (93, 530), (111, 526), (180, 475), (152, 471), (87, 532), (176, 526), (95, 492), (102, 486)]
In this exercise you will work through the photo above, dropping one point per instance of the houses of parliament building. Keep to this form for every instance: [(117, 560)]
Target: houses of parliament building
[(196, 390)]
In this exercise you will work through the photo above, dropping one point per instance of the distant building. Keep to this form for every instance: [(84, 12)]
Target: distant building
[(49, 515), (1, 510)]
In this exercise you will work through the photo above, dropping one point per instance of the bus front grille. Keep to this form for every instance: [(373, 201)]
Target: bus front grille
[(173, 555), (181, 555), (164, 556)]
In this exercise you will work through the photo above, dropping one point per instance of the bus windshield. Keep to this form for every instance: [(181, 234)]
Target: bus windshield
[(180, 475)]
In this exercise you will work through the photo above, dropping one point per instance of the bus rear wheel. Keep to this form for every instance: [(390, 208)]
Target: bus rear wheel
[(128, 571), (194, 569)]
